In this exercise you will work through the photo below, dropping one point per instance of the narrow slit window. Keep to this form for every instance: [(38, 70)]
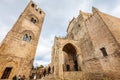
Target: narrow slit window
[(36, 9), (104, 52), (78, 25), (40, 12), (33, 20), (27, 38), (33, 5)]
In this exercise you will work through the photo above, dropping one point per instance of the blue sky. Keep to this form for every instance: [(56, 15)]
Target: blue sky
[(58, 15)]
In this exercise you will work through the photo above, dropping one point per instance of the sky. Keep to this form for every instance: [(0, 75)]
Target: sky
[(58, 15)]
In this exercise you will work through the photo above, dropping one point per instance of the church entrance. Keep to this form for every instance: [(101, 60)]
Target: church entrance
[(6, 73), (69, 58)]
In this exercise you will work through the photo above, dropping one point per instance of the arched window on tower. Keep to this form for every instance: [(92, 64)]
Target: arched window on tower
[(33, 20), (27, 38)]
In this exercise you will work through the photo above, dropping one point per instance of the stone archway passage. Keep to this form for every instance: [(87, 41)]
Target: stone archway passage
[(70, 58)]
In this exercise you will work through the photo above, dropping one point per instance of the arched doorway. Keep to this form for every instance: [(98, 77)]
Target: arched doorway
[(8, 70), (70, 58)]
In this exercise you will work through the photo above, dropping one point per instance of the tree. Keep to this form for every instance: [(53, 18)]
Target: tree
[(41, 66)]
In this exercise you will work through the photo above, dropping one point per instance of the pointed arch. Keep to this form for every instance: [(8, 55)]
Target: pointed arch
[(68, 47), (28, 35), (70, 57)]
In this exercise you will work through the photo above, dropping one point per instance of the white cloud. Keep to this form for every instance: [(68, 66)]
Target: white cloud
[(39, 62), (44, 50), (116, 11), (9, 1)]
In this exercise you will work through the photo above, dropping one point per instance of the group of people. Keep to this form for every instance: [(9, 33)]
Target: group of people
[(43, 73), (46, 72), (19, 77)]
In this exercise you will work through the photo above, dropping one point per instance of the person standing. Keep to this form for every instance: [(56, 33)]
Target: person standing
[(49, 69), (19, 77), (44, 73), (23, 77), (14, 78)]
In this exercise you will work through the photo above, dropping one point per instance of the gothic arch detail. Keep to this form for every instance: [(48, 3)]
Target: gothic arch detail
[(28, 35), (70, 57)]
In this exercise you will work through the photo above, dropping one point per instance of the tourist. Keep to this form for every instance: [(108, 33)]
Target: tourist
[(30, 77), (40, 75), (23, 77), (14, 78), (34, 77), (19, 77), (49, 70), (44, 73)]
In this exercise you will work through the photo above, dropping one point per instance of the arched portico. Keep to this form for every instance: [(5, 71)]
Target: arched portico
[(67, 57), (70, 61)]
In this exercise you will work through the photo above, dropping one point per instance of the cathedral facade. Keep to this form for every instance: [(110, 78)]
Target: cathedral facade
[(90, 50), (18, 49)]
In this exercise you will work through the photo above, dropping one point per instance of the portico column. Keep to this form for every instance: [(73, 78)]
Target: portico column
[(60, 63), (58, 69), (79, 60)]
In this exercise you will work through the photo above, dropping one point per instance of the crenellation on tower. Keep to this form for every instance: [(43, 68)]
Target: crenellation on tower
[(34, 8)]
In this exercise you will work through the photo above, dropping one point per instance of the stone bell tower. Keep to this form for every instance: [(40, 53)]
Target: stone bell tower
[(18, 49)]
